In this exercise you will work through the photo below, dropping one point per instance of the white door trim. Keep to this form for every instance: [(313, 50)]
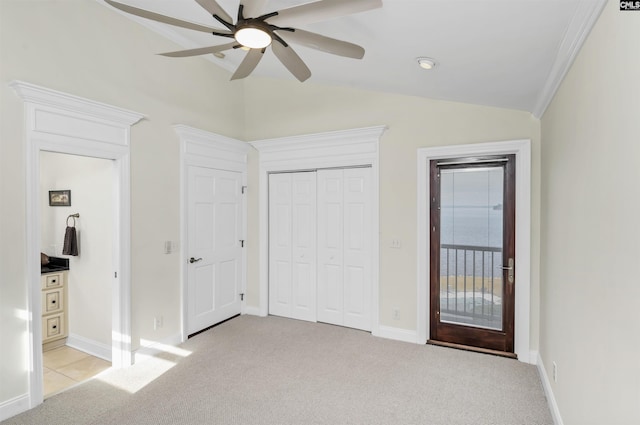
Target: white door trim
[(211, 150), (522, 150), (312, 151), (60, 122)]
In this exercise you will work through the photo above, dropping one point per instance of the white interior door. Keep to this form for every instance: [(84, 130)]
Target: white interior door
[(214, 230), (292, 245), (344, 247)]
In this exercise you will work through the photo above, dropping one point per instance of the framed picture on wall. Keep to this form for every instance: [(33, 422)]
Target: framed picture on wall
[(59, 198)]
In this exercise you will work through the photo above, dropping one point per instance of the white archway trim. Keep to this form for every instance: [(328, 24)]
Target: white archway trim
[(522, 150), (323, 150), (60, 122), (205, 149)]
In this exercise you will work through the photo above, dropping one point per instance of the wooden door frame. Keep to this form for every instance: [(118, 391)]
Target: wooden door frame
[(210, 150), (522, 150), (452, 334), (344, 148)]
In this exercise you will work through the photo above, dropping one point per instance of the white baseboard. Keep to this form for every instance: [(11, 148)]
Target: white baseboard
[(151, 348), (89, 346), (546, 384), (397, 334), (14, 406), (252, 311)]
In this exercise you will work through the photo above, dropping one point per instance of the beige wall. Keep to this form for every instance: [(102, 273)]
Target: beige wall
[(82, 48), (590, 239), (284, 108), (90, 275)]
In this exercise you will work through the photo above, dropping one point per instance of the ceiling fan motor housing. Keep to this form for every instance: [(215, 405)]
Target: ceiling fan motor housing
[(253, 33)]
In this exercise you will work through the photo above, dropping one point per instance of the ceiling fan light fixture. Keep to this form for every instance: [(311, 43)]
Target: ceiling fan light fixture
[(253, 37), (426, 63)]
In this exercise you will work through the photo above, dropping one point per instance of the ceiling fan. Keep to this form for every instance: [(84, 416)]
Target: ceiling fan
[(254, 31)]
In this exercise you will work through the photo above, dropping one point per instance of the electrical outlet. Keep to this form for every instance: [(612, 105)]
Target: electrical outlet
[(555, 372), (157, 323), (396, 314), (395, 243)]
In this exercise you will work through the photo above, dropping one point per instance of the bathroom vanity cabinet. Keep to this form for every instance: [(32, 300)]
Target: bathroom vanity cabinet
[(54, 310)]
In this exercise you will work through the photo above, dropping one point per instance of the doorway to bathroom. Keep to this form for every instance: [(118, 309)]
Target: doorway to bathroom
[(64, 123), (76, 248)]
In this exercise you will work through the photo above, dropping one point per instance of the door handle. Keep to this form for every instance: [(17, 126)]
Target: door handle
[(194, 260), (511, 270)]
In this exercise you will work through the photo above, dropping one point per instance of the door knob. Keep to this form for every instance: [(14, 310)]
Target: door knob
[(194, 260)]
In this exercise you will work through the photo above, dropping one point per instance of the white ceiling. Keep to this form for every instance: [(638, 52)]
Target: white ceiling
[(505, 53)]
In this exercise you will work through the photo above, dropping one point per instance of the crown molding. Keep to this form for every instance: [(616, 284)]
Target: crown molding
[(583, 20), (31, 93)]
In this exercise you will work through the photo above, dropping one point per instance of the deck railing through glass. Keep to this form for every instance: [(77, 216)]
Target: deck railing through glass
[(471, 285)]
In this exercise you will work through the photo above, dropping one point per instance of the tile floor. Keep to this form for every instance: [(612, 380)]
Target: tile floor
[(65, 367)]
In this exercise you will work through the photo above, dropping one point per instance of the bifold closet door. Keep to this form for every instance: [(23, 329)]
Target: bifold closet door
[(292, 245), (344, 247)]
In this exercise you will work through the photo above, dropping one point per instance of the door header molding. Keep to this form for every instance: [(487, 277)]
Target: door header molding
[(57, 113), (321, 150), (200, 147)]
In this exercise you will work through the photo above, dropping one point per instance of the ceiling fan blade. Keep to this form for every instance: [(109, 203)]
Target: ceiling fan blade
[(291, 61), (248, 64), (160, 18), (325, 44), (321, 10), (200, 51), (215, 9), (252, 8)]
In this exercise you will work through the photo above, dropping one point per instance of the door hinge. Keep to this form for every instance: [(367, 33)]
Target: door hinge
[(241, 243), (244, 189), (242, 296)]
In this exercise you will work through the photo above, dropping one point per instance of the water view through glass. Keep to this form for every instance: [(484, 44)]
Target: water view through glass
[(471, 224)]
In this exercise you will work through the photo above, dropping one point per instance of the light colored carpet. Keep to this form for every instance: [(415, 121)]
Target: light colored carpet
[(271, 370)]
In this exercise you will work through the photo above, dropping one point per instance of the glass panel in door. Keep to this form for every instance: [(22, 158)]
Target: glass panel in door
[(472, 252), (471, 240)]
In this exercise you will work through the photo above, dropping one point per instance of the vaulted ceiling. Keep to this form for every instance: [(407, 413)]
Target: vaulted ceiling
[(505, 53)]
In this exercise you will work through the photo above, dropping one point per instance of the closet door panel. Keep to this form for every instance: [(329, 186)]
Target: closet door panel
[(304, 246), (330, 246), (320, 246), (292, 245), (280, 244), (357, 248)]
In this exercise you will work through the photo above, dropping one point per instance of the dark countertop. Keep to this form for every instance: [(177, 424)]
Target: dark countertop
[(56, 264)]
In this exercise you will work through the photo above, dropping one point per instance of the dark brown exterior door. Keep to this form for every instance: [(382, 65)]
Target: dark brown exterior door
[(472, 245)]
